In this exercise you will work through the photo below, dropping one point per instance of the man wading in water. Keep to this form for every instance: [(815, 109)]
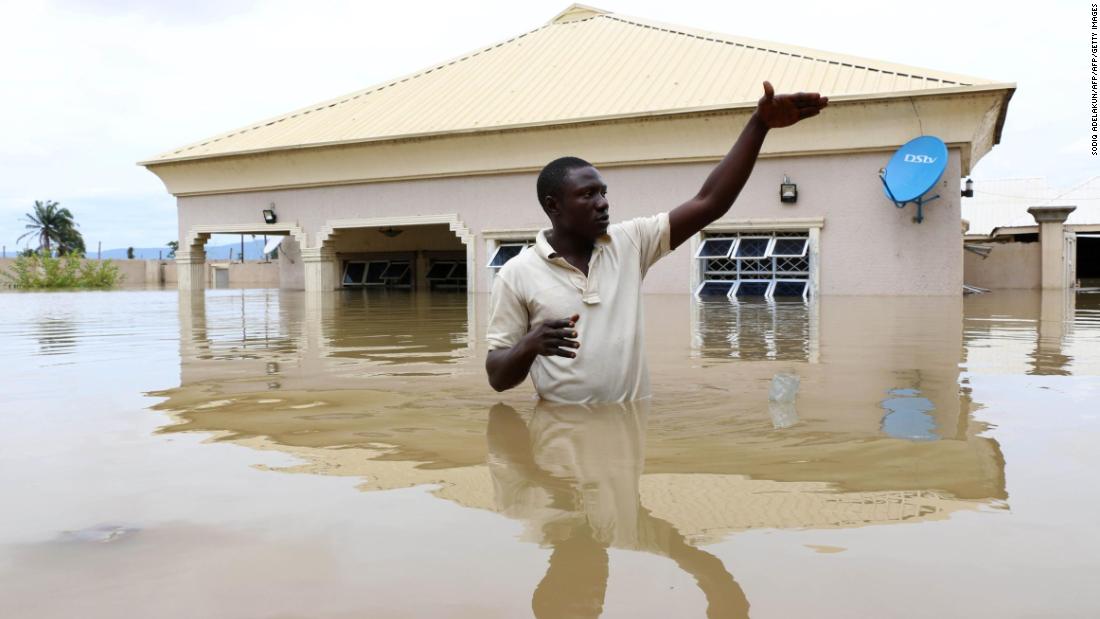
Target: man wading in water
[(581, 282)]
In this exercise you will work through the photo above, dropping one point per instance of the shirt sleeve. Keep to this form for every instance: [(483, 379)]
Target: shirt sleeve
[(508, 318), (652, 235)]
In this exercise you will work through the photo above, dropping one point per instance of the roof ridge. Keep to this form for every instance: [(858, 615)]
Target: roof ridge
[(345, 98), (718, 37), (577, 12)]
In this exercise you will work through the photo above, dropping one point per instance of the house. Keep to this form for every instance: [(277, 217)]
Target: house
[(427, 181)]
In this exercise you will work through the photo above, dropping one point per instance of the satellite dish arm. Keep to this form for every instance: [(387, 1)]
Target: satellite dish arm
[(882, 177)]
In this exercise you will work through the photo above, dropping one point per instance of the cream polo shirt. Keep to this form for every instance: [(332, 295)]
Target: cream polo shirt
[(539, 285)]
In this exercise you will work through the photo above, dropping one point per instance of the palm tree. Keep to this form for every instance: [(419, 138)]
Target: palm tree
[(49, 223)]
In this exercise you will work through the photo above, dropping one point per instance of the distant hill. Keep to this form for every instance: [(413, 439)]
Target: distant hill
[(253, 250)]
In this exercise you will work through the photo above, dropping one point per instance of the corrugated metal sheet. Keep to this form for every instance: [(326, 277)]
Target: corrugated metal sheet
[(585, 64), (1003, 203)]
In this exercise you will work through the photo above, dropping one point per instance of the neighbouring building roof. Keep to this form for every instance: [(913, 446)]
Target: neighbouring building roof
[(1003, 203), (643, 68)]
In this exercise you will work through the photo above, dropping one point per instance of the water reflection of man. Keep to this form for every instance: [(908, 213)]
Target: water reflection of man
[(572, 474), (582, 280)]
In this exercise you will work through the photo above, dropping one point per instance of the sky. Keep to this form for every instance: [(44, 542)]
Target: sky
[(88, 88)]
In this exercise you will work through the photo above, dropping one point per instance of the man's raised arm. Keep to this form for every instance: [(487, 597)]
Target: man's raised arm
[(726, 180)]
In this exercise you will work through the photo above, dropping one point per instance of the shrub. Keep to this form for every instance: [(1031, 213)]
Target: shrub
[(45, 271)]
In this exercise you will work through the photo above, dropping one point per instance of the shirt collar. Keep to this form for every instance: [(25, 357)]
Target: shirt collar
[(546, 250)]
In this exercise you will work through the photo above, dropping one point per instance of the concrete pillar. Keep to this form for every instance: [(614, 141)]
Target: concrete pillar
[(1052, 220), (421, 271), (191, 269), (320, 269)]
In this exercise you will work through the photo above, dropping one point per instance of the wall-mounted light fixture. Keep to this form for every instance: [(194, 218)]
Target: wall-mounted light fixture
[(391, 232), (969, 191), (788, 191), (269, 214)]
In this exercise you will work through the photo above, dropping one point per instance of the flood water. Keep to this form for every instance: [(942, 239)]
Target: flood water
[(258, 453)]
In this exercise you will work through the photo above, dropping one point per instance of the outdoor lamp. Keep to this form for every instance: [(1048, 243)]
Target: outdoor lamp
[(269, 214), (391, 232), (788, 191), (969, 191)]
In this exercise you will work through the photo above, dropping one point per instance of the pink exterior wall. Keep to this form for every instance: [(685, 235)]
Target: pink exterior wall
[(868, 247)]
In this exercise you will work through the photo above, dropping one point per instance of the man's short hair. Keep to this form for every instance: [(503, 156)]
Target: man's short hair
[(553, 176)]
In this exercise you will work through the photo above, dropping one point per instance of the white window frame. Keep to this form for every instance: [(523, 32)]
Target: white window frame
[(427, 274), (767, 248), (732, 294), (699, 252), (523, 245), (778, 280), (805, 246), (366, 272), (801, 227), (699, 288), (366, 269), (395, 263)]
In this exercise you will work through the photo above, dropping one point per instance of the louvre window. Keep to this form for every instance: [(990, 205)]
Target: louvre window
[(353, 273), (396, 270), (440, 270), (447, 275), (771, 265), (505, 252), (712, 288)]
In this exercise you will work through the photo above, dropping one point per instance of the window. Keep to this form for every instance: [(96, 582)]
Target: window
[(505, 251), (790, 288), (752, 247), (396, 270), (713, 288), (375, 269), (447, 275), (440, 270), (751, 288), (353, 273), (377, 273), (769, 265), (715, 248)]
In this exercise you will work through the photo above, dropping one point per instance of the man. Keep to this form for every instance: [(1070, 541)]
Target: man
[(581, 282)]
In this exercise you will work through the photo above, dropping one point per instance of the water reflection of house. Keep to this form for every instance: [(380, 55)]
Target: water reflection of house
[(427, 181), (402, 402)]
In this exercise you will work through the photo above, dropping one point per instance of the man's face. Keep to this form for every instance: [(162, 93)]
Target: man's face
[(583, 208)]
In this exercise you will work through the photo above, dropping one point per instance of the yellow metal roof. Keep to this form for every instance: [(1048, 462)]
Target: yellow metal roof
[(585, 64)]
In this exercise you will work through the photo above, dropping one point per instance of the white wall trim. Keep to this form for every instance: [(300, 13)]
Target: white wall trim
[(452, 220), (779, 223), (202, 232), (504, 234)]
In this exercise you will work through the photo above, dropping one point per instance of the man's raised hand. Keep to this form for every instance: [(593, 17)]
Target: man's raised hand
[(777, 111), (554, 337)]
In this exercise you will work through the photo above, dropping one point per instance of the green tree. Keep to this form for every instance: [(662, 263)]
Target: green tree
[(174, 246), (129, 253), (53, 225), (41, 270), (70, 243)]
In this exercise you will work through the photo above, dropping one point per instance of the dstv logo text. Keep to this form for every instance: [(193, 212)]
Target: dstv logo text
[(910, 158)]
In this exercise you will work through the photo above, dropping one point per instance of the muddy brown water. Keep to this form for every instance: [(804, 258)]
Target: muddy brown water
[(258, 453)]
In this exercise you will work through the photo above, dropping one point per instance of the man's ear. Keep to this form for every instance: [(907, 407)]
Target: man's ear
[(551, 207)]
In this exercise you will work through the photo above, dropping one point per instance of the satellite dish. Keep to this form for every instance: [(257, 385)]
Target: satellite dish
[(272, 244), (914, 169)]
